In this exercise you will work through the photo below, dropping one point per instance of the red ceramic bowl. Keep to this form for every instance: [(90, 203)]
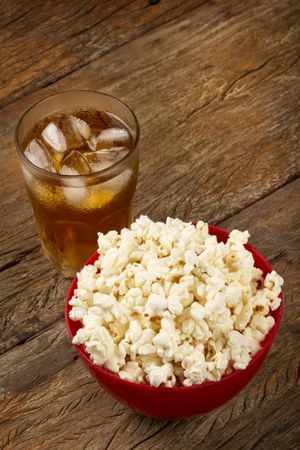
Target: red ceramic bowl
[(178, 402)]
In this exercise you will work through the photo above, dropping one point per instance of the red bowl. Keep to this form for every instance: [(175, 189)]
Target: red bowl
[(178, 402)]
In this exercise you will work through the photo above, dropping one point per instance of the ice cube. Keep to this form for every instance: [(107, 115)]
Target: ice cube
[(75, 191), (99, 195), (102, 159), (54, 137), (103, 193), (92, 142), (38, 155), (81, 126), (117, 183), (113, 134), (71, 130), (109, 138), (75, 196), (75, 164)]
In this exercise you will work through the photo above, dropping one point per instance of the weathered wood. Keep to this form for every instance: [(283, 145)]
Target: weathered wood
[(43, 417), (56, 38), (239, 117), (69, 393), (34, 361), (215, 86), (38, 303)]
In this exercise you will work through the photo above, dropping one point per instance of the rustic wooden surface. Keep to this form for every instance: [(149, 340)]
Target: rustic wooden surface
[(216, 88)]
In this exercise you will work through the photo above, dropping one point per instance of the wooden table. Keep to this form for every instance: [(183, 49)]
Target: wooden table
[(216, 87)]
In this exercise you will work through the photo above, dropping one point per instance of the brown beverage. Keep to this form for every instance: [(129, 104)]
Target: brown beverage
[(87, 182)]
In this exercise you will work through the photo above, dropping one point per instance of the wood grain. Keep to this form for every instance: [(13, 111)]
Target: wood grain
[(241, 117), (39, 417), (215, 86), (59, 37), (19, 373)]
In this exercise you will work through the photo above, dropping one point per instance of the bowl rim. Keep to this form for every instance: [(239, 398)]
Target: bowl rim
[(265, 344)]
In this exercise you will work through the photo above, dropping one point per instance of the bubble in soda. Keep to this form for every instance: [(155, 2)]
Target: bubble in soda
[(79, 143)]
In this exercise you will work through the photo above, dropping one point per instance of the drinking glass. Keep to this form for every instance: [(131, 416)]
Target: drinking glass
[(71, 209)]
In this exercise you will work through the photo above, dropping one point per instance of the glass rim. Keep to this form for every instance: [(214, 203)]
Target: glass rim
[(59, 176)]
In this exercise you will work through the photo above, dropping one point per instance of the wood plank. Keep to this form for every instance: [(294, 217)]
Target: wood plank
[(34, 361), (218, 132), (258, 417), (41, 418), (44, 41), (33, 298)]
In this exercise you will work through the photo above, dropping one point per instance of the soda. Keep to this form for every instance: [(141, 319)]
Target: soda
[(83, 181)]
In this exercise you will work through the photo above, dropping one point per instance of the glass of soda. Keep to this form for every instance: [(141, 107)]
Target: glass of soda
[(79, 156)]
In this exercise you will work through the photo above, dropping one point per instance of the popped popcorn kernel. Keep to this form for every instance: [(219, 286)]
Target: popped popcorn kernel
[(171, 306)]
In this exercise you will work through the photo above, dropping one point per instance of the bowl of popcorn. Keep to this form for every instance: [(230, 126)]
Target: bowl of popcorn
[(174, 319)]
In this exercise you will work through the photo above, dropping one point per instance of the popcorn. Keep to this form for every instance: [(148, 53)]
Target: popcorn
[(104, 301), (166, 304), (132, 372), (156, 305), (134, 332), (98, 343), (157, 375), (198, 311), (174, 305)]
